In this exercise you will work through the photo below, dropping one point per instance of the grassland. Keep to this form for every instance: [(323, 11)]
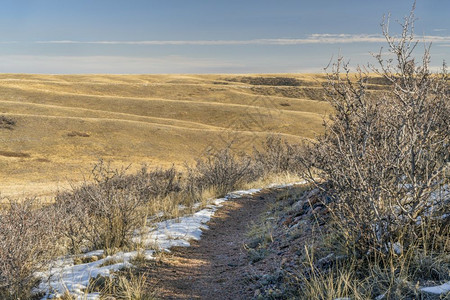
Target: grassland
[(64, 123)]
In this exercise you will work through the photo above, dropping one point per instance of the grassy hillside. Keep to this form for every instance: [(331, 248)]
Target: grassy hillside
[(64, 123)]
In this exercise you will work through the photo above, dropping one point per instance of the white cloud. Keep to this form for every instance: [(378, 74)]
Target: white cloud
[(311, 39)]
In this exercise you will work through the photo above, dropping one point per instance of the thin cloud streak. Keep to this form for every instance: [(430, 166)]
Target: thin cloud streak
[(311, 39)]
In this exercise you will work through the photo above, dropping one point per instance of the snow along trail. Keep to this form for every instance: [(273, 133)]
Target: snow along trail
[(437, 290), (64, 276)]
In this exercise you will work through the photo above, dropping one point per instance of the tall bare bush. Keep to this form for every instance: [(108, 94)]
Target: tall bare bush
[(385, 155), (27, 241), (105, 211), (278, 156), (103, 214), (222, 170)]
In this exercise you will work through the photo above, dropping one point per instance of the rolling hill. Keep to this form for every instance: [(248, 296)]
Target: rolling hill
[(65, 123)]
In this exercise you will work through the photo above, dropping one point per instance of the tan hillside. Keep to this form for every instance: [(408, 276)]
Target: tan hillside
[(64, 123)]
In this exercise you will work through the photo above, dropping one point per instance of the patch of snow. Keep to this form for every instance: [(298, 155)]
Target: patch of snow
[(219, 201), (438, 290), (197, 205), (177, 232), (279, 186), (238, 194), (64, 276), (93, 253)]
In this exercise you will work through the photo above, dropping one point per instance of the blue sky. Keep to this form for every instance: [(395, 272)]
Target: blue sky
[(203, 36)]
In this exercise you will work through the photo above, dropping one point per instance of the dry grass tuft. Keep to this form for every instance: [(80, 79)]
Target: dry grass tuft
[(7, 122), (126, 285)]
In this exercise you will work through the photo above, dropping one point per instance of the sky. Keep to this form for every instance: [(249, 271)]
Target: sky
[(205, 36)]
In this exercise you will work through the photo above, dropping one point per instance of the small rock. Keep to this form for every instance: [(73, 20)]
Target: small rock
[(297, 205), (257, 293), (313, 193), (297, 219)]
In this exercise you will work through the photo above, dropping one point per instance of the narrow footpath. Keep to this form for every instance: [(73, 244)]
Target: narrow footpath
[(214, 267)]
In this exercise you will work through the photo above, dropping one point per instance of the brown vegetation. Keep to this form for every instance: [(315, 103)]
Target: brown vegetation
[(28, 240)]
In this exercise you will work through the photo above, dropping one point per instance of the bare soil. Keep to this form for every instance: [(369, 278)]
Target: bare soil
[(215, 267)]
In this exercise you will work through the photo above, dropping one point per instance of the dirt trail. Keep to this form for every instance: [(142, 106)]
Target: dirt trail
[(215, 266)]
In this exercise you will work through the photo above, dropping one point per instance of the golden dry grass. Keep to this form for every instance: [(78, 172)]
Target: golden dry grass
[(67, 122)]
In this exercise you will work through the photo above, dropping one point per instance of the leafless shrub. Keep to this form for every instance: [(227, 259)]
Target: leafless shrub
[(278, 156), (27, 241), (156, 183), (385, 156), (223, 170), (103, 214), (7, 122)]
